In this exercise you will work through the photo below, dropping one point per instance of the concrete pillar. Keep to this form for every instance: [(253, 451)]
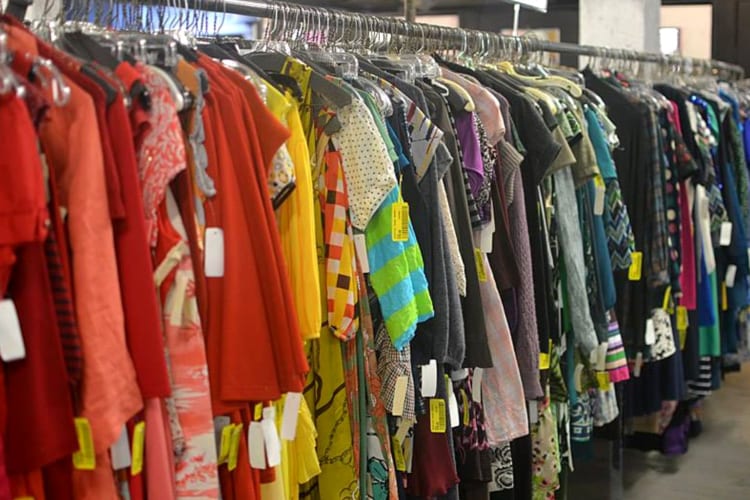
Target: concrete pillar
[(626, 24)]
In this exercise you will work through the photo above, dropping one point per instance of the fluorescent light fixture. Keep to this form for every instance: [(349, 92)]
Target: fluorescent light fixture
[(540, 5)]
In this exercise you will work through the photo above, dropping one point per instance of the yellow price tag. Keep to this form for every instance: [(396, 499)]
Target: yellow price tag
[(234, 446), (139, 438), (602, 379), (667, 304), (544, 361), (724, 299), (258, 411), (636, 266), (225, 443), (400, 221), (465, 406), (437, 415), (479, 261), (683, 338), (85, 457), (682, 318), (398, 455)]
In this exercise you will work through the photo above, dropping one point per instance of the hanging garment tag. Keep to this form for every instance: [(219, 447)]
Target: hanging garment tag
[(638, 365), (479, 261), (213, 260), (271, 437), (465, 408), (682, 318), (533, 412), (400, 221), (437, 415), (476, 385), (667, 302), (650, 337), (600, 194), (234, 446), (139, 441), (290, 415), (12, 347), (731, 274), (453, 412), (360, 244), (178, 299), (683, 338), (225, 443), (602, 380), (460, 374), (636, 265), (724, 297), (258, 411), (409, 453), (398, 454), (544, 361), (429, 379), (85, 457), (120, 451), (399, 395), (403, 429), (725, 236), (256, 446)]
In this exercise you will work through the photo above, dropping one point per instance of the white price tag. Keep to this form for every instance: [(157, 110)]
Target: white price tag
[(725, 237), (120, 451), (601, 360), (213, 264), (12, 347), (429, 379), (271, 436), (399, 395), (599, 199), (533, 412), (476, 385), (650, 337), (730, 276), (256, 446), (290, 415), (638, 365), (453, 408)]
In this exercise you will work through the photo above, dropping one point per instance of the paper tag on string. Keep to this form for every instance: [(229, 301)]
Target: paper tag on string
[(730, 276), (360, 245), (600, 191), (602, 380), (667, 302), (650, 336), (682, 318), (271, 436), (437, 415), (400, 221), (290, 416), (398, 455), (724, 297), (120, 451), (139, 446), (533, 412), (12, 347), (578, 377), (213, 256), (636, 266), (234, 446), (479, 261), (544, 361), (85, 457), (455, 417), (225, 443), (256, 446), (399, 395), (725, 236), (476, 385), (429, 379), (403, 429), (465, 408), (601, 358)]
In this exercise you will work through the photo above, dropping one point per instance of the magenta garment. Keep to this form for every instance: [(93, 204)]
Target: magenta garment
[(470, 149), (688, 278)]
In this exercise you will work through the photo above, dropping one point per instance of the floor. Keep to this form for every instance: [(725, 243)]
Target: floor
[(716, 467)]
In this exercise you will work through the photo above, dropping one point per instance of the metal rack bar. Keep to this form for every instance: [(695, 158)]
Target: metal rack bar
[(457, 38)]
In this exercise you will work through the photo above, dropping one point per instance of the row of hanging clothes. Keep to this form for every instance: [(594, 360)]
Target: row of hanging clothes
[(354, 259)]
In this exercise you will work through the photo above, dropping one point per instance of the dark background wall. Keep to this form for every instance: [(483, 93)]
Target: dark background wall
[(731, 32)]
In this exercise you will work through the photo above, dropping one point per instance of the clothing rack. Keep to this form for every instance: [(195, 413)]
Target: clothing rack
[(453, 38)]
